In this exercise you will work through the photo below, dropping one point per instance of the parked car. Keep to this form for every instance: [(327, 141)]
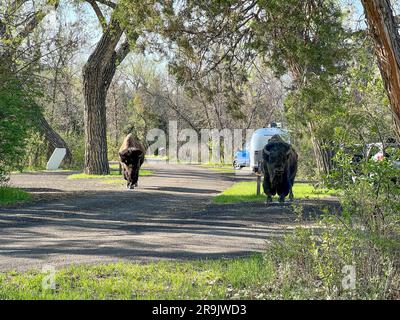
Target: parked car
[(241, 159)]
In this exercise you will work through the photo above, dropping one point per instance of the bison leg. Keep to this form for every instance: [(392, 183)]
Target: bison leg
[(281, 198), (125, 174), (268, 189), (269, 200), (291, 197)]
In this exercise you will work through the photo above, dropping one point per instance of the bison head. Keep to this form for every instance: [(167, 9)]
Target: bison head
[(131, 159), (275, 156)]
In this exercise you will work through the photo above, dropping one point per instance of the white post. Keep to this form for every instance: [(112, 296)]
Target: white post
[(56, 158)]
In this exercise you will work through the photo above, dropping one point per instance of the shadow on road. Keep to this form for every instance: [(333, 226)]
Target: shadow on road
[(170, 216), (183, 190), (136, 226)]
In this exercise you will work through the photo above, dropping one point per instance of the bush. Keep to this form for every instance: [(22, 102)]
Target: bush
[(364, 237), (36, 154), (370, 193), (314, 264), (16, 112), (10, 195), (76, 143)]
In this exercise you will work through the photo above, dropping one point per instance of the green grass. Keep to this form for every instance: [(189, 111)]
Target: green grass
[(289, 269), (33, 170), (200, 279), (112, 175), (246, 192), (9, 195), (114, 166), (219, 167)]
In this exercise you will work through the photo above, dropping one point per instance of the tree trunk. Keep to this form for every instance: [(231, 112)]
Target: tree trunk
[(383, 28), (96, 161), (53, 138), (97, 76)]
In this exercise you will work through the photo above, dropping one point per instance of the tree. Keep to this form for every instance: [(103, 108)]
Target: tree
[(304, 40), (98, 73), (384, 30), (18, 21), (129, 19), (17, 111)]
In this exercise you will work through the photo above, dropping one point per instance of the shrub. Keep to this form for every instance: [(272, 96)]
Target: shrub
[(364, 237), (76, 143), (370, 193), (16, 112), (36, 154), (313, 264)]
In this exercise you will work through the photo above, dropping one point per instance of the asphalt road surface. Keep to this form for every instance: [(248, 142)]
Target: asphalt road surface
[(170, 216)]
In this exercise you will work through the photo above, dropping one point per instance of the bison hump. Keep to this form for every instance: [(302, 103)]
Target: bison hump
[(131, 142)]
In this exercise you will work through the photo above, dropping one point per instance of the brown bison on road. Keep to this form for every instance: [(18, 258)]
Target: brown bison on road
[(131, 155), (280, 167)]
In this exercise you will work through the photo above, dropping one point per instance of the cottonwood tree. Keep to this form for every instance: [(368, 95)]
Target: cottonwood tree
[(128, 20), (384, 28), (98, 73)]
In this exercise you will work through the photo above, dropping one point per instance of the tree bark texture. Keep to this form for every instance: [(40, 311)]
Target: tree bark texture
[(384, 30), (97, 76)]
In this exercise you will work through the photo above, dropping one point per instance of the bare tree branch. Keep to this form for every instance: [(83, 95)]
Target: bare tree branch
[(99, 14), (107, 3), (122, 52), (30, 26)]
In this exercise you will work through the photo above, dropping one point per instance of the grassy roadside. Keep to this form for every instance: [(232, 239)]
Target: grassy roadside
[(33, 170), (10, 195), (218, 167), (112, 175), (200, 279), (293, 269), (246, 192)]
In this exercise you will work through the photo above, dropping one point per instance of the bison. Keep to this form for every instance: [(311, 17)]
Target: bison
[(131, 155), (280, 167)]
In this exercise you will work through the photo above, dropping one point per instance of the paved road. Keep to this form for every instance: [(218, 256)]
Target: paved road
[(169, 216)]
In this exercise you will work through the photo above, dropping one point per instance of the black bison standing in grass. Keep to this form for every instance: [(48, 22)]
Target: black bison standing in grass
[(131, 155), (280, 167)]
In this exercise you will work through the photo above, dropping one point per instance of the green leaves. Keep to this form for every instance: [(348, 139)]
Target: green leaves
[(17, 113)]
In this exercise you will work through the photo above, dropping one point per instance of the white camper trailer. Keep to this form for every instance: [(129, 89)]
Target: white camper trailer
[(258, 141)]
